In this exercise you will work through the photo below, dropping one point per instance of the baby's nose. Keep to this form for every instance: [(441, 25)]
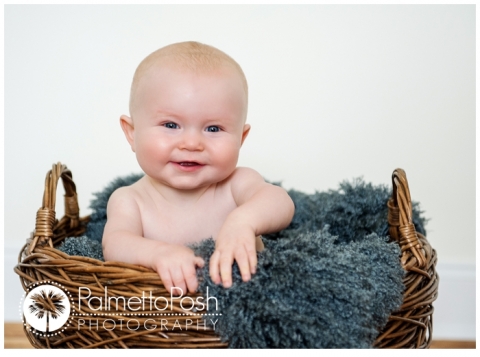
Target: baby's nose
[(192, 141)]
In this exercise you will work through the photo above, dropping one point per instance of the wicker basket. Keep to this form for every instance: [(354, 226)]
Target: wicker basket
[(40, 263)]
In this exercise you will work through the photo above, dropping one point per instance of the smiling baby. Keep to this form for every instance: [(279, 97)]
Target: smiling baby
[(188, 108)]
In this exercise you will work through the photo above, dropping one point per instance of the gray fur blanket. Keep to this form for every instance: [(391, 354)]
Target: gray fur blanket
[(329, 280)]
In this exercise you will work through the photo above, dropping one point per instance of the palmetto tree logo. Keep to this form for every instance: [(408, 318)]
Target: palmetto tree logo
[(47, 303), (46, 308)]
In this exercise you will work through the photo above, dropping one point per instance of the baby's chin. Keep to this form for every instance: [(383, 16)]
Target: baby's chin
[(188, 185), (197, 186), (191, 183)]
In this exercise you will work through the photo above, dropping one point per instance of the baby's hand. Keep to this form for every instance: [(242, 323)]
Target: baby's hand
[(176, 266), (234, 242)]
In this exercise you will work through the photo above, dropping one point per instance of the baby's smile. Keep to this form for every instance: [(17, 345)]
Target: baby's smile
[(188, 166)]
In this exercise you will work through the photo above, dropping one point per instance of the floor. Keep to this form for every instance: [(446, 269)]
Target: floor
[(15, 338)]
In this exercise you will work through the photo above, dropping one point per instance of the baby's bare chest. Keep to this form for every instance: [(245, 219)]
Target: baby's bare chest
[(181, 224)]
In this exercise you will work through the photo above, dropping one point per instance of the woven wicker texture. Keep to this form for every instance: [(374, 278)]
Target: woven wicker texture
[(40, 262), (411, 326)]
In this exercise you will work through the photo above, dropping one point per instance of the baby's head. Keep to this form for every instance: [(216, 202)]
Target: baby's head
[(188, 106), (186, 56)]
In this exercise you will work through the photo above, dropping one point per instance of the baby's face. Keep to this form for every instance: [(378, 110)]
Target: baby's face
[(189, 127)]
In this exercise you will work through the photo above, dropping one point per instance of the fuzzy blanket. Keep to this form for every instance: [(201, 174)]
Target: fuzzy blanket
[(329, 280)]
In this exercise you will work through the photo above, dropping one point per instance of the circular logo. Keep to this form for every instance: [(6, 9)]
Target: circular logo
[(46, 308)]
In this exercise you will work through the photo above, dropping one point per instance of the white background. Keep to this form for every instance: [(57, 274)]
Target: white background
[(336, 92)]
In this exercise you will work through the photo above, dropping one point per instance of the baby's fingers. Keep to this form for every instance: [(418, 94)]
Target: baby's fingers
[(214, 264), (226, 262), (252, 258), (190, 278), (178, 282), (243, 261), (199, 262), (166, 280)]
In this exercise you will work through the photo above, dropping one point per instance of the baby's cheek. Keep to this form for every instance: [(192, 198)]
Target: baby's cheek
[(151, 155), (156, 148), (228, 159)]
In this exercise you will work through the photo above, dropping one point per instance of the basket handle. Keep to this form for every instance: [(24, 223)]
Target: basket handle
[(401, 227), (46, 214)]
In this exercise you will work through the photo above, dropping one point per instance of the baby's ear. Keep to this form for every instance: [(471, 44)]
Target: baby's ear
[(246, 130), (127, 126)]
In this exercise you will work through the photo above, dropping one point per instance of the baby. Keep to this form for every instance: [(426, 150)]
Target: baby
[(188, 107)]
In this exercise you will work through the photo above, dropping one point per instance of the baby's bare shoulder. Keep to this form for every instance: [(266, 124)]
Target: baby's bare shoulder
[(125, 193), (245, 176), (126, 196), (244, 182), (123, 212)]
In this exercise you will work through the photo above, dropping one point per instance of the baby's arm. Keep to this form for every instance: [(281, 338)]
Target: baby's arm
[(123, 241), (261, 208)]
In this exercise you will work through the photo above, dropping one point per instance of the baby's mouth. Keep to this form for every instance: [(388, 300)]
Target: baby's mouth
[(188, 163), (188, 166)]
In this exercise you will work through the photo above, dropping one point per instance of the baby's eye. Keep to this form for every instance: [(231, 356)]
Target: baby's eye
[(213, 129), (170, 125)]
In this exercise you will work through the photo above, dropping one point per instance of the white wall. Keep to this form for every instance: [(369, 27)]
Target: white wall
[(336, 92)]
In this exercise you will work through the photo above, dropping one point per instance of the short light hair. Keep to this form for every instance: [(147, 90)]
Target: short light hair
[(190, 55)]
